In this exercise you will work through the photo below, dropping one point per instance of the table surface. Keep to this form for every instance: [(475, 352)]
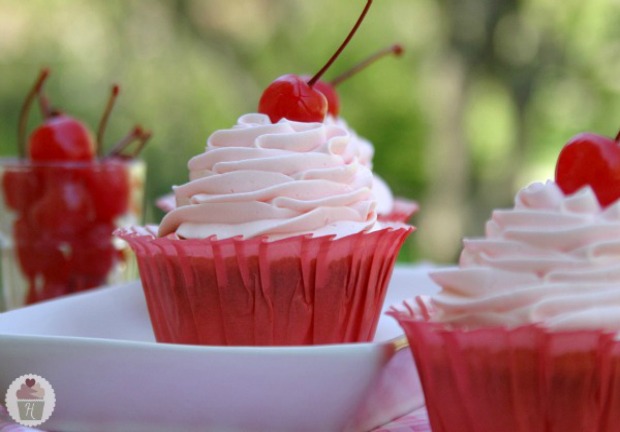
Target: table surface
[(414, 421), (417, 421)]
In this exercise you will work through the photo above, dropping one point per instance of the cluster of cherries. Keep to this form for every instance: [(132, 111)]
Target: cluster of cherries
[(67, 197)]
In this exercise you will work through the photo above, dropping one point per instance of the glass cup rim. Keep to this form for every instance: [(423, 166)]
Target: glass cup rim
[(23, 162)]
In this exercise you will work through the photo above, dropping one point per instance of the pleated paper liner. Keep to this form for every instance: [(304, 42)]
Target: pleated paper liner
[(402, 210), (295, 291), (525, 379)]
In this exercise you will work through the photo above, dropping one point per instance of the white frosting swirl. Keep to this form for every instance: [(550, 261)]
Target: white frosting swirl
[(277, 180), (552, 259), (383, 195), (360, 147)]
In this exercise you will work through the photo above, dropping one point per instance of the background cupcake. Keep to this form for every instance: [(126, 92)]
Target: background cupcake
[(389, 207)]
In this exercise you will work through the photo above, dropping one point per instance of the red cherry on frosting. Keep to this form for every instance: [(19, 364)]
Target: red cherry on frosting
[(328, 90), (293, 98), (594, 160)]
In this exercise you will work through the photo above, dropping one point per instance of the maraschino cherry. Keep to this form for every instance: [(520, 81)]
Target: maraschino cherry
[(292, 97), (60, 137), (594, 160), (329, 88), (67, 199), (64, 138)]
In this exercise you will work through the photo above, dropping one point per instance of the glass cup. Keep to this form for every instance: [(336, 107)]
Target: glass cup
[(56, 225)]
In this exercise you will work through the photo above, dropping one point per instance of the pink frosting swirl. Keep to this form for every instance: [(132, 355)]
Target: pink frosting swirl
[(276, 180), (364, 151), (359, 147), (552, 259)]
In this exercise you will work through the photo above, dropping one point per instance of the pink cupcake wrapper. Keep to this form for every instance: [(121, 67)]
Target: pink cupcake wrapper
[(295, 291), (524, 379)]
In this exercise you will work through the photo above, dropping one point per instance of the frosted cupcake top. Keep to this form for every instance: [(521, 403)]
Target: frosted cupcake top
[(277, 180), (552, 259), (359, 147), (364, 151)]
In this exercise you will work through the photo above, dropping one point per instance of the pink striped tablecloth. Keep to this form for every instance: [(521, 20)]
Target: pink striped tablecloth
[(417, 421)]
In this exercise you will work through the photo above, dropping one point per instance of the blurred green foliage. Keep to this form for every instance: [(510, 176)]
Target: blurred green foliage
[(480, 104)]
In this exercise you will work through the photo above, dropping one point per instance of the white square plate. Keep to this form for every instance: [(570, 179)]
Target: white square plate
[(98, 352)]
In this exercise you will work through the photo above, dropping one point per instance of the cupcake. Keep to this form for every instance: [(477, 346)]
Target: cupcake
[(523, 335), (275, 238), (274, 241)]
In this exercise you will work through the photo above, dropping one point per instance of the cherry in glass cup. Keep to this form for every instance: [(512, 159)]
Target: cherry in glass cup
[(56, 224)]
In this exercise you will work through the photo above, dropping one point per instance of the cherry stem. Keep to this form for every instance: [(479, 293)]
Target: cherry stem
[(320, 73), (617, 139), (136, 134), (44, 105), (104, 118), (395, 49), (141, 143), (25, 110)]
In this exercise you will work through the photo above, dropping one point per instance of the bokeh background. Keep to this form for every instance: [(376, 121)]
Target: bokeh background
[(479, 105)]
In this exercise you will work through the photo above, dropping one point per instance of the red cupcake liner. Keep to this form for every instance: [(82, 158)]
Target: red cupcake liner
[(295, 291), (524, 379)]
